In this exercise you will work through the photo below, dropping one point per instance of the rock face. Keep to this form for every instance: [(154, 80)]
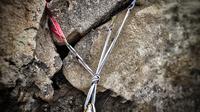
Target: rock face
[(17, 36), (80, 16), (28, 57), (154, 66), (46, 52), (155, 62)]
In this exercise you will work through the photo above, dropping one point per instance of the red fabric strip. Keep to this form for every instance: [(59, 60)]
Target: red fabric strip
[(55, 27)]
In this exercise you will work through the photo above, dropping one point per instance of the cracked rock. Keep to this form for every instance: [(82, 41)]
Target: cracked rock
[(46, 52), (77, 17), (155, 61), (19, 21), (28, 57)]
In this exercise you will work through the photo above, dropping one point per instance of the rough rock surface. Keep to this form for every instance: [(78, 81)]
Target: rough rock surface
[(80, 16), (28, 58), (46, 52), (69, 99), (155, 62), (17, 36)]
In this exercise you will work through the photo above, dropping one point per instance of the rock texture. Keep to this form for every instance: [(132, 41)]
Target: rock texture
[(46, 52), (69, 99), (17, 36), (79, 16), (28, 57), (155, 62), (154, 66)]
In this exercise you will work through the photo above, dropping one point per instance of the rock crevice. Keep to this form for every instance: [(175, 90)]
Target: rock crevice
[(154, 66)]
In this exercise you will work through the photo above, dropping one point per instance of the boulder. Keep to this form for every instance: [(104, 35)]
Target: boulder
[(155, 61)]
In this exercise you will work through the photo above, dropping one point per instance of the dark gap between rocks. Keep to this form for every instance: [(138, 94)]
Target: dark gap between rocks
[(67, 97), (63, 88), (62, 51), (75, 36), (58, 79), (61, 85), (119, 7), (116, 104), (7, 102)]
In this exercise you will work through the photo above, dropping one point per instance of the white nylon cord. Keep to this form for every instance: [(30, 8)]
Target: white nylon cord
[(79, 58), (104, 49), (115, 39), (91, 96)]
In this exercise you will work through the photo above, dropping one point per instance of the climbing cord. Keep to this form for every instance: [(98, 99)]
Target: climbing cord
[(56, 29), (91, 96), (89, 105)]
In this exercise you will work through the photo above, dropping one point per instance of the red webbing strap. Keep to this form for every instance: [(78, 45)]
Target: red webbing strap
[(54, 27)]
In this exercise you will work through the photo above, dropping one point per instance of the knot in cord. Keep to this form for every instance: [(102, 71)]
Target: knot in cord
[(95, 79)]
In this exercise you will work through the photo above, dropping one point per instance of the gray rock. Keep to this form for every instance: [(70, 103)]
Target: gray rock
[(78, 17), (46, 52), (28, 57), (155, 62), (19, 21)]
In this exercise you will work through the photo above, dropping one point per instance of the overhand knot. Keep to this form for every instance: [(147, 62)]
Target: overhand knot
[(95, 79)]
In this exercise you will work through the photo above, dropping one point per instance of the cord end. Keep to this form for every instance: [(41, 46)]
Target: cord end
[(90, 108)]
